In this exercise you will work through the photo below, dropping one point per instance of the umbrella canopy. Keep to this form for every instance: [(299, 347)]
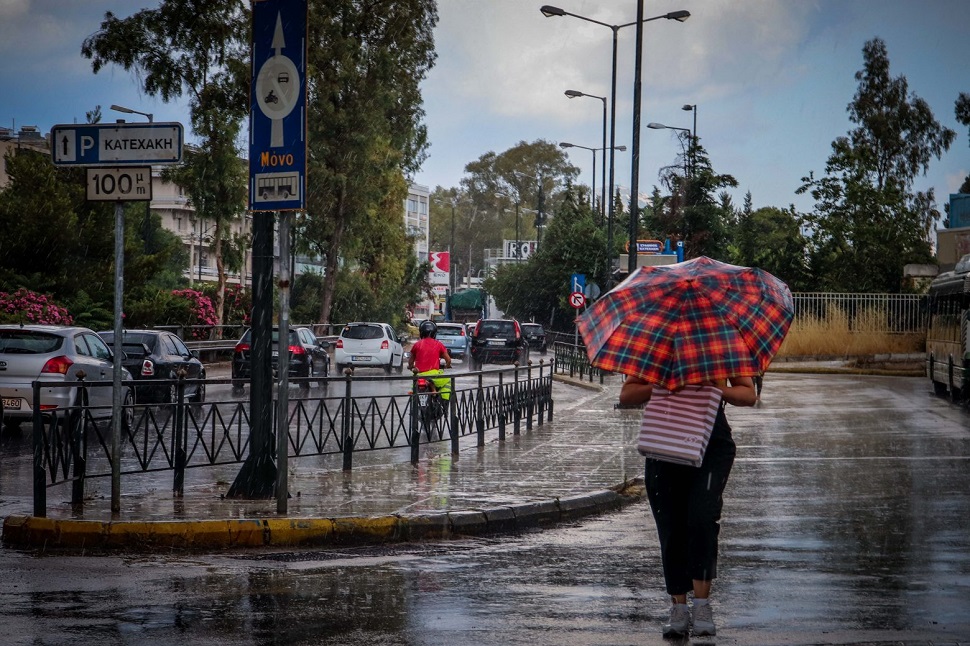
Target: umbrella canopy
[(688, 323)]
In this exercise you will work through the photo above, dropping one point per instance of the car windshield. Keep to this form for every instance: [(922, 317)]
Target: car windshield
[(532, 328), (28, 342), (362, 332), (450, 331)]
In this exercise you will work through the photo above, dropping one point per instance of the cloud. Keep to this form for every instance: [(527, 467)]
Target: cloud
[(516, 62)]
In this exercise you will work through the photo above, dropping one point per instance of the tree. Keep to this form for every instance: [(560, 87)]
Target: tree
[(771, 239), (962, 110), (695, 211), (200, 49), (57, 242), (492, 187), (365, 135), (538, 289), (868, 222)]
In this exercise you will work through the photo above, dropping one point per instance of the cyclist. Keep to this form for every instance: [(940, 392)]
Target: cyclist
[(425, 358)]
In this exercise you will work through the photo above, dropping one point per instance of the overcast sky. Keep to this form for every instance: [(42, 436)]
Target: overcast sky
[(771, 80)]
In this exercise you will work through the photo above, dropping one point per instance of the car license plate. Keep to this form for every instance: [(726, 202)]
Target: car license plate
[(276, 353), (360, 357), (496, 341), (12, 403)]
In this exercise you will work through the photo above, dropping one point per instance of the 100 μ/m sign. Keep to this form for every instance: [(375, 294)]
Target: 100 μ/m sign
[(128, 184)]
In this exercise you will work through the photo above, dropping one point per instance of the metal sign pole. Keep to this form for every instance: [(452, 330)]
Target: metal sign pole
[(283, 345), (116, 378)]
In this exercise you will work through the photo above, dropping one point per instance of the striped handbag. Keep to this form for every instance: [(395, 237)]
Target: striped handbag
[(677, 426)]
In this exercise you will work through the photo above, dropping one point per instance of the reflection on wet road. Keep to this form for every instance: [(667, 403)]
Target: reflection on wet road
[(846, 521)]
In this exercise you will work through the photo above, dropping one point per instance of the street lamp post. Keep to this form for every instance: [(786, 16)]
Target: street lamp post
[(692, 107), (659, 126), (572, 94), (121, 108), (565, 144), (550, 11)]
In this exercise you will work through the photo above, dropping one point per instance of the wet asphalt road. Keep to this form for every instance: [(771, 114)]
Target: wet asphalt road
[(846, 522)]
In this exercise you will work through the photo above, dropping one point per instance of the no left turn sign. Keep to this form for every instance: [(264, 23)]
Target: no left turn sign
[(577, 300)]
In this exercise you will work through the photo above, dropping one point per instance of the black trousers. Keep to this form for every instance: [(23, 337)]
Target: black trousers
[(686, 503)]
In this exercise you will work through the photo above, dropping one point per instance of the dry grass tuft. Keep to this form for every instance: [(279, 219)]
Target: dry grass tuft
[(833, 336)]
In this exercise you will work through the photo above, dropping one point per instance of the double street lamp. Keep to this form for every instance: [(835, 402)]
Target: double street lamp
[(572, 94), (593, 183), (550, 11)]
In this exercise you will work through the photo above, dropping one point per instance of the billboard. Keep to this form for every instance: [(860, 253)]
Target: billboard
[(521, 249), (440, 268)]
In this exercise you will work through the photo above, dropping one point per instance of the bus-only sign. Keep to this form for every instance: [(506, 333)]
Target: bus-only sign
[(116, 144)]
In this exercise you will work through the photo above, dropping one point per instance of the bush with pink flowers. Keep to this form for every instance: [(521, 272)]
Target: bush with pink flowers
[(25, 306), (201, 313)]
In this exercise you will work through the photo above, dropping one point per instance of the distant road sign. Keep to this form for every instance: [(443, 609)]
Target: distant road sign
[(116, 144), (578, 283), (128, 184), (577, 300)]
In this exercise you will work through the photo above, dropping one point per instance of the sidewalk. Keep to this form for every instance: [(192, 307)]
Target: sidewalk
[(581, 463)]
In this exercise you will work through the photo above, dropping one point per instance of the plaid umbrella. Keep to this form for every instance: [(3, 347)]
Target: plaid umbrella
[(690, 322)]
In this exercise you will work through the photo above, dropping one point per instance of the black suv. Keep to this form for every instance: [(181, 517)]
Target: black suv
[(498, 341), (535, 335), (308, 357)]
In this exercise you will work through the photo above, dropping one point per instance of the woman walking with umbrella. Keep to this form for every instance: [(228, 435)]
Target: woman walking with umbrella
[(696, 323)]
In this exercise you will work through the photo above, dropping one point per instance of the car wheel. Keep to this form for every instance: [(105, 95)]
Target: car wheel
[(199, 395), (305, 384), (128, 411), (11, 425), (389, 367), (400, 366)]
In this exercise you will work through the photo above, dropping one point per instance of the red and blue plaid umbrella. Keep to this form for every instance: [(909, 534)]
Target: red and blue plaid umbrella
[(690, 322)]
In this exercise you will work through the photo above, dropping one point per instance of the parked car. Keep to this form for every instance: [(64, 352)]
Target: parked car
[(535, 335), (55, 354), (309, 357), (373, 345), (155, 355), (455, 338), (498, 341)]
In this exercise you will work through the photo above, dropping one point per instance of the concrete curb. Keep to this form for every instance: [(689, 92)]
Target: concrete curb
[(31, 532), (573, 381)]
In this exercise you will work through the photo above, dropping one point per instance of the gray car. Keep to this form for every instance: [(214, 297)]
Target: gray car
[(453, 336), (54, 354)]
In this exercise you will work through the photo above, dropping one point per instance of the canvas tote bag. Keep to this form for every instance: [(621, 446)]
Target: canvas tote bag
[(677, 426)]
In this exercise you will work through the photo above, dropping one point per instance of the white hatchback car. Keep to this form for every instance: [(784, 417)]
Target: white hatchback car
[(369, 345)]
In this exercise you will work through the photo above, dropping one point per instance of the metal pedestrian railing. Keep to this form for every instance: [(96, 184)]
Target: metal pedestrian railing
[(75, 444), (876, 313), (572, 360)]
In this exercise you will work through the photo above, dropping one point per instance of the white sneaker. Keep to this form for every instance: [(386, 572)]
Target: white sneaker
[(679, 623), (702, 620)]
